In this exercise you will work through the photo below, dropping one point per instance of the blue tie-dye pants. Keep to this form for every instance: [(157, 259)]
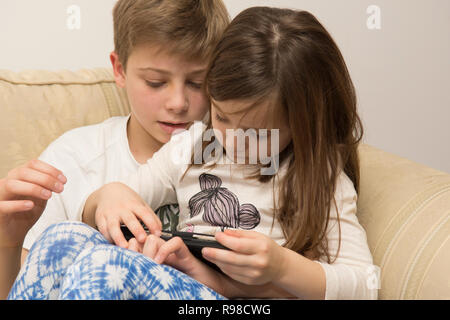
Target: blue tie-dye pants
[(71, 260)]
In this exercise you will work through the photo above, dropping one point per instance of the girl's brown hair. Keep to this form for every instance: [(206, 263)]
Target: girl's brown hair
[(188, 27), (271, 50)]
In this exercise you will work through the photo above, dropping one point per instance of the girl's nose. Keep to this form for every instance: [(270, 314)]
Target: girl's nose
[(178, 101)]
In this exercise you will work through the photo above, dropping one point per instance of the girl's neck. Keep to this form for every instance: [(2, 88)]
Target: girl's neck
[(142, 145)]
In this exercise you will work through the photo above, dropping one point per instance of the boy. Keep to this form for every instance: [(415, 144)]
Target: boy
[(161, 53)]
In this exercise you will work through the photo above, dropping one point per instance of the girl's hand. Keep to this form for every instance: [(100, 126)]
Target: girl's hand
[(23, 197), (176, 254), (255, 259), (116, 204)]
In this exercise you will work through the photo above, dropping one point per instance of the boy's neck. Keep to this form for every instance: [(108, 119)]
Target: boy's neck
[(142, 145)]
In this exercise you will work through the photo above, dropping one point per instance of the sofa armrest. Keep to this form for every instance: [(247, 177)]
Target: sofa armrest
[(405, 208)]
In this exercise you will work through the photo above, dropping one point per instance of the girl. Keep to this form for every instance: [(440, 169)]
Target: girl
[(293, 233)]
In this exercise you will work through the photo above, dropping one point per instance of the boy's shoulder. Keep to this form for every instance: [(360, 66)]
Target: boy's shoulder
[(110, 125), (91, 139)]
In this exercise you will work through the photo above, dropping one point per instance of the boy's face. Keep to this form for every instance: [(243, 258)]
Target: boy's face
[(165, 91)]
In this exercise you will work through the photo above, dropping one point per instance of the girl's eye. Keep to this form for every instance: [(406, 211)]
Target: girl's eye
[(155, 85), (220, 119), (195, 85)]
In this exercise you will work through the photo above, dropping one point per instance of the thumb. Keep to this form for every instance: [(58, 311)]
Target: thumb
[(240, 233)]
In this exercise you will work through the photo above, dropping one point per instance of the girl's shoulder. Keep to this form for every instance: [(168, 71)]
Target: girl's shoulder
[(345, 180), (345, 189), (175, 156)]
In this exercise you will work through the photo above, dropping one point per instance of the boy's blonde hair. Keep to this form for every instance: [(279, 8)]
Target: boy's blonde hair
[(190, 28)]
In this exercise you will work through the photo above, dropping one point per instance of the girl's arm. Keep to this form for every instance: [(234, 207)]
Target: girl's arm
[(256, 259), (300, 278), (257, 267), (114, 204), (90, 206), (351, 273)]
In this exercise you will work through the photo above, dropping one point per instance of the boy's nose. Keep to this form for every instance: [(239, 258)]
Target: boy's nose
[(178, 101)]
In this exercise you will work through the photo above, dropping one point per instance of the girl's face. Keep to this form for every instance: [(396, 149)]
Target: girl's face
[(232, 115)]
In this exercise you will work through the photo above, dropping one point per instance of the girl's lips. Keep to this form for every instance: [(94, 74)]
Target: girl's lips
[(170, 127)]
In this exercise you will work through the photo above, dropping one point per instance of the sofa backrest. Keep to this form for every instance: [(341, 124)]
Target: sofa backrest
[(36, 107)]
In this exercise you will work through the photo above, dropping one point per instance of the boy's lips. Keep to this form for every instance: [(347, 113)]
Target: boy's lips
[(170, 127)]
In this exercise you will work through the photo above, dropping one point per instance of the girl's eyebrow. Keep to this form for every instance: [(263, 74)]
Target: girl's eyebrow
[(226, 119), (196, 72)]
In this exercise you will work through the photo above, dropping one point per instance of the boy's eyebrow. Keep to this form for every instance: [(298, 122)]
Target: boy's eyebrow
[(195, 72), (155, 69)]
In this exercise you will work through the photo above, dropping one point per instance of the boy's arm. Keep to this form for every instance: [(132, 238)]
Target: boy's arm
[(12, 259), (62, 206)]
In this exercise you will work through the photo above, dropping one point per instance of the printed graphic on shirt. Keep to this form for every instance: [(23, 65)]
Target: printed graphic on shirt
[(169, 216), (221, 207)]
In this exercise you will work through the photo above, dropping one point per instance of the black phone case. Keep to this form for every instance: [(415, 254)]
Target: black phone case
[(195, 245)]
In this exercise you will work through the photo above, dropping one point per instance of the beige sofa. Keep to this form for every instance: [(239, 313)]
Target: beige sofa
[(404, 206)]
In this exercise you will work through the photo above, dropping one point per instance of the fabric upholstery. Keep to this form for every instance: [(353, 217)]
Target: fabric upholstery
[(404, 206)]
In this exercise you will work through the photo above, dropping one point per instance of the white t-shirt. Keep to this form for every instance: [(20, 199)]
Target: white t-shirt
[(89, 157), (211, 199)]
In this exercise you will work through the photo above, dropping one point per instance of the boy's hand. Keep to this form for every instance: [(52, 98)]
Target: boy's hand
[(116, 204), (254, 258), (23, 197)]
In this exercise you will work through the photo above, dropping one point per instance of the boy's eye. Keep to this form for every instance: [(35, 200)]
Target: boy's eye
[(155, 84)]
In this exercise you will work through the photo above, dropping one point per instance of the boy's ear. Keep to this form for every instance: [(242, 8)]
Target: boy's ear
[(119, 72)]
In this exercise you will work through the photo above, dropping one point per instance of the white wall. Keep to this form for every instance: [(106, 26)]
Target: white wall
[(401, 71)]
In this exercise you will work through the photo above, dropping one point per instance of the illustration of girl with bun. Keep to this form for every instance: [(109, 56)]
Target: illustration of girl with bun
[(221, 207)]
